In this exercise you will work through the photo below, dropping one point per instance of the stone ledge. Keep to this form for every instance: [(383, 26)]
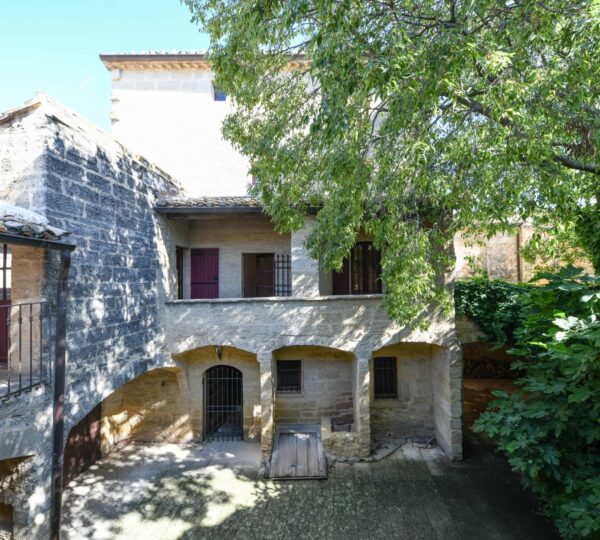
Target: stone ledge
[(275, 299)]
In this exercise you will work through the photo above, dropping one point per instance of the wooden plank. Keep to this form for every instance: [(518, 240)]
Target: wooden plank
[(298, 453)]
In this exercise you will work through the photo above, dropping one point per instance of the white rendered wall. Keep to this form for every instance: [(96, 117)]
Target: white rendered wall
[(171, 119)]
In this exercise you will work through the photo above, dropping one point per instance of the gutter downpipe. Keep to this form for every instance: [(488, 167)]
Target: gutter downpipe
[(59, 395)]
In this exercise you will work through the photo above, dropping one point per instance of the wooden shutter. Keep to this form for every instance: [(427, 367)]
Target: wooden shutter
[(205, 273), (365, 269), (265, 274), (341, 280), (249, 270)]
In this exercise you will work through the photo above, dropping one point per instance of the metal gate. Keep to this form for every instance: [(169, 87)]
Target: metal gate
[(223, 404)]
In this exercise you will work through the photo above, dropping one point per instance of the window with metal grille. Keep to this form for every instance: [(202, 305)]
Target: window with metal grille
[(5, 272), (289, 376), (266, 274), (386, 377), (366, 269), (360, 273)]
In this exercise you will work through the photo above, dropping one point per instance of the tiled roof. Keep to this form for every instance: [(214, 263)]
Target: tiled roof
[(22, 222), (208, 202)]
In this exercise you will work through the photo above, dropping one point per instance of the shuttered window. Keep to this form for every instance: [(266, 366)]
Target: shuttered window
[(259, 274), (360, 273), (385, 374), (289, 376), (179, 268)]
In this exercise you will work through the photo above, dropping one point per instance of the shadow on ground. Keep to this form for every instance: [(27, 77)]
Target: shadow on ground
[(165, 491)]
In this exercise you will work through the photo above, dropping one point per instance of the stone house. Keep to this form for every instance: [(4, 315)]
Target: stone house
[(188, 316)]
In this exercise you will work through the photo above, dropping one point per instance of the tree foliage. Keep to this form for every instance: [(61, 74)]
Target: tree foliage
[(495, 305), (550, 427), (413, 119)]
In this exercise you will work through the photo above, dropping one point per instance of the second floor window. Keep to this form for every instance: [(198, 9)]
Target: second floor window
[(361, 272), (266, 274)]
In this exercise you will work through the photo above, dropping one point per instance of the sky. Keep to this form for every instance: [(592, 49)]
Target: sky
[(52, 46)]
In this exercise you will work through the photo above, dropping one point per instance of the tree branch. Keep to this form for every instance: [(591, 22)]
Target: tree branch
[(563, 159)]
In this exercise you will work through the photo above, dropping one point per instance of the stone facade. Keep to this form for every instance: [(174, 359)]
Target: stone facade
[(233, 237), (411, 413), (182, 134), (142, 354), (56, 164), (327, 388)]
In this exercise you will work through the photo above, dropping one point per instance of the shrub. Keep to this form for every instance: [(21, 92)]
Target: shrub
[(550, 427), (493, 304)]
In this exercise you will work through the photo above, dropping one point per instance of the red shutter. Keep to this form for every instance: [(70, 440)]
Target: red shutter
[(205, 273)]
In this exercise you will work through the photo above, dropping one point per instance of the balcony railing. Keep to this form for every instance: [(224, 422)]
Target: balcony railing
[(25, 347), (283, 275)]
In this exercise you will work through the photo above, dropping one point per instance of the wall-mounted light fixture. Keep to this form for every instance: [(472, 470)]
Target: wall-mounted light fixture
[(219, 352)]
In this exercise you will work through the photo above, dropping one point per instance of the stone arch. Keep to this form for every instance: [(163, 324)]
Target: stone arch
[(326, 386), (149, 407), (101, 384), (195, 362), (222, 386), (428, 398)]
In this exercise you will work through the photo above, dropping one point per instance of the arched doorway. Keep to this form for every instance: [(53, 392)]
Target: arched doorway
[(223, 403)]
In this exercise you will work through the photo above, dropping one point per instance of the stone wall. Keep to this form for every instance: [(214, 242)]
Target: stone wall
[(151, 408), (326, 387), (233, 237), (171, 118), (355, 325), (305, 270), (195, 363), (411, 413), (81, 180), (447, 391)]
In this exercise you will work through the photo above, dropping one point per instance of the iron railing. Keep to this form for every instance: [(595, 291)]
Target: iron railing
[(26, 347), (283, 275)]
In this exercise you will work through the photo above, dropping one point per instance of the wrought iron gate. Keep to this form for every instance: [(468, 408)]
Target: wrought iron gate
[(223, 404)]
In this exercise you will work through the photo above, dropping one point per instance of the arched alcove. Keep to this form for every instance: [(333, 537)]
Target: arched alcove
[(198, 362)]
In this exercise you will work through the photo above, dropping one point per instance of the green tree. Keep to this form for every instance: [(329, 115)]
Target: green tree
[(549, 428), (412, 120)]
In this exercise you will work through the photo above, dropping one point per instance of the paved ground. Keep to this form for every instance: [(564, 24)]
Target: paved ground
[(167, 492)]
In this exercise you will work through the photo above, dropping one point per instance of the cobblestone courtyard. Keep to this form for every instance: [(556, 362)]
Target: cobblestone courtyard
[(148, 492)]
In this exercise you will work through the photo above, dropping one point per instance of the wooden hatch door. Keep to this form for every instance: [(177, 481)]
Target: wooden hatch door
[(298, 454)]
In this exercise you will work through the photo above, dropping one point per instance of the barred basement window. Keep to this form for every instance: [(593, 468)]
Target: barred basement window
[(386, 378), (289, 376)]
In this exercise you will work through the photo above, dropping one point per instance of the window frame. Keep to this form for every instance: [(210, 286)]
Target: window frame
[(381, 370), (297, 389), (179, 256)]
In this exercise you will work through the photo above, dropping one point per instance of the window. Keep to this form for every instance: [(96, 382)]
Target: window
[(179, 268), (218, 94), (289, 376), (266, 274), (204, 275), (5, 272), (360, 274), (386, 378)]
